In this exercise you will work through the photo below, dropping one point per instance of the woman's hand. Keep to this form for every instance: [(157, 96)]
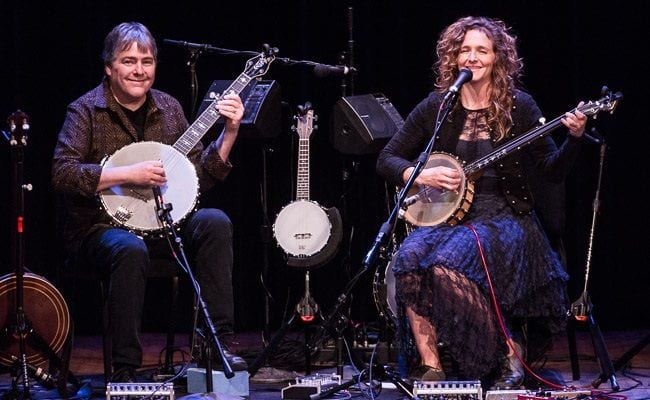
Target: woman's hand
[(439, 177), (575, 122)]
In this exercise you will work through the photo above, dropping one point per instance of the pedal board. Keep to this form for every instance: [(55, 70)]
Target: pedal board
[(555, 395), (132, 390), (532, 395), (453, 390), (310, 385), (504, 394)]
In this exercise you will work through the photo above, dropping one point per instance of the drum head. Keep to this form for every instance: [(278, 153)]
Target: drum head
[(384, 292), (45, 311)]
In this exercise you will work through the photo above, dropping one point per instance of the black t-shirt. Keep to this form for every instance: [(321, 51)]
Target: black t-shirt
[(137, 118)]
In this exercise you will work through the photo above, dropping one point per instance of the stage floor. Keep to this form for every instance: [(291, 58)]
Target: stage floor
[(268, 381)]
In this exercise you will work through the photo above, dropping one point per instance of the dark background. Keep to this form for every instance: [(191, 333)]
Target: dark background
[(50, 55)]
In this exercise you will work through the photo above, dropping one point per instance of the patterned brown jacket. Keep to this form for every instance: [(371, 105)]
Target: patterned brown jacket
[(95, 127)]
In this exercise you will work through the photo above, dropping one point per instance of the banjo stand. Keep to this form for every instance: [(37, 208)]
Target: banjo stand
[(19, 326), (307, 310)]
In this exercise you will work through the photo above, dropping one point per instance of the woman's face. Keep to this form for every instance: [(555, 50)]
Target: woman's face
[(477, 54)]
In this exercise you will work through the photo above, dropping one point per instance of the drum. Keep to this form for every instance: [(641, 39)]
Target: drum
[(46, 314), (383, 290)]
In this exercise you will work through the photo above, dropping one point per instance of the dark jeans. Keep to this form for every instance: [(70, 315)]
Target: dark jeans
[(123, 258)]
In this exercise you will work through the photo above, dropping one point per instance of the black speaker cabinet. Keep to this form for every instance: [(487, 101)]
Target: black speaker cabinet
[(262, 109), (364, 124)]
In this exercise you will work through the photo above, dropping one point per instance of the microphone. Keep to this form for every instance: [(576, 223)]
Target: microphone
[(411, 199), (464, 75), (324, 70), (187, 45), (423, 195)]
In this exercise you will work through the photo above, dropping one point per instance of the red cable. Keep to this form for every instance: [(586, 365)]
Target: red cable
[(504, 329)]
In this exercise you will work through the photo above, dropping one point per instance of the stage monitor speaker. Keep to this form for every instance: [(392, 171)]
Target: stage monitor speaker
[(262, 109), (364, 124)]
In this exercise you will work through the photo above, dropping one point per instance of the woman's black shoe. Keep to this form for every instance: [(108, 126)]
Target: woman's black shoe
[(512, 370)]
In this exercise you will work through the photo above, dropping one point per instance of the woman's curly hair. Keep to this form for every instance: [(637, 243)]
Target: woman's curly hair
[(506, 72)]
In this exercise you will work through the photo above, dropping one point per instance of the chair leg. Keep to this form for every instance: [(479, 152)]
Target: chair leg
[(106, 337)]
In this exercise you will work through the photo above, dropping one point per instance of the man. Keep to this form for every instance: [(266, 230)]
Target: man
[(124, 109)]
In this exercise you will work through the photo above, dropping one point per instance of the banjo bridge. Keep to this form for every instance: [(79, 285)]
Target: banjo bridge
[(140, 196), (302, 236)]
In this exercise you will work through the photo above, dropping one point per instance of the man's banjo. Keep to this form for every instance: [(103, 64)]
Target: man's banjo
[(134, 207)]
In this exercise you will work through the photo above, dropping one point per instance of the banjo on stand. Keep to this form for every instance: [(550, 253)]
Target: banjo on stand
[(35, 322), (308, 233), (429, 206), (134, 207)]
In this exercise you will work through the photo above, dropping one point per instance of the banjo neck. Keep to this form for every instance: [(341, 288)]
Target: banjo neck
[(208, 117), (304, 127), (302, 186), (607, 103), (512, 146), (255, 67)]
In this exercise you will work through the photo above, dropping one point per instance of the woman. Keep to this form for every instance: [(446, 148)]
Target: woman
[(442, 285)]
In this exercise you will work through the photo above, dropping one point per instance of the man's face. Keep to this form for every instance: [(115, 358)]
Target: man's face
[(131, 75)]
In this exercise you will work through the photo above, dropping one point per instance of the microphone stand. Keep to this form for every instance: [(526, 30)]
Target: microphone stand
[(196, 49), (163, 212), (608, 371), (194, 81), (21, 327), (350, 58), (581, 309), (381, 240)]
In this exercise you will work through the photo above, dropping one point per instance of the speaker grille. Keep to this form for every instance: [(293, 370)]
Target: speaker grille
[(363, 124)]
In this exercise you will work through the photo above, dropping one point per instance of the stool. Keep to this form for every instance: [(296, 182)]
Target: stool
[(159, 268)]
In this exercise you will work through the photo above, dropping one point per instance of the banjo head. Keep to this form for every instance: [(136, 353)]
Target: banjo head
[(302, 228), (436, 206), (134, 207)]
